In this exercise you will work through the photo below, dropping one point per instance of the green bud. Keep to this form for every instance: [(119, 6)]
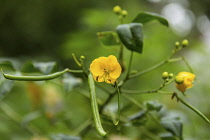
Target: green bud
[(82, 57), (185, 43), (171, 75), (177, 44), (124, 13), (117, 9), (179, 79), (165, 75)]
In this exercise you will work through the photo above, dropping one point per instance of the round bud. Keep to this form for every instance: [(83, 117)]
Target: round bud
[(177, 44), (124, 13), (117, 9), (171, 75), (185, 43), (179, 79), (165, 75), (82, 57)]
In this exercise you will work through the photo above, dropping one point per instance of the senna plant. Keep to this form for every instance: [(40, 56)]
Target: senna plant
[(109, 69)]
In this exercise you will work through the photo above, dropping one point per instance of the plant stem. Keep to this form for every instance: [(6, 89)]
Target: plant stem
[(193, 109), (185, 61), (129, 66), (119, 105)]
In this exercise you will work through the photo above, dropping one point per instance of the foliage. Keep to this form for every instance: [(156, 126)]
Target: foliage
[(105, 110)]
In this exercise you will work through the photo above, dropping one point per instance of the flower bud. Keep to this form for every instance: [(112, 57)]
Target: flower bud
[(82, 57), (124, 13), (185, 43), (117, 9), (171, 75), (177, 44), (179, 79), (165, 75)]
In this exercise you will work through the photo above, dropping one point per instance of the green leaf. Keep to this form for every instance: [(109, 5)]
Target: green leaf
[(5, 86), (153, 105), (70, 82), (6, 65), (131, 36), (168, 136), (173, 125), (108, 39), (44, 67), (144, 17), (64, 137), (139, 118), (28, 67)]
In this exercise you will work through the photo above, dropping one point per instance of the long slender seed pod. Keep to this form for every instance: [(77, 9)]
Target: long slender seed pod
[(38, 78), (94, 107)]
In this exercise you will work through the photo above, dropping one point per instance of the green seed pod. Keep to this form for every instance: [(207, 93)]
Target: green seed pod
[(185, 43), (165, 75), (179, 79), (117, 9), (39, 78), (94, 107)]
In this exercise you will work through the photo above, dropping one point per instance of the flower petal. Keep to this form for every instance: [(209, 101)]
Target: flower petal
[(97, 68), (181, 87), (98, 78), (114, 67)]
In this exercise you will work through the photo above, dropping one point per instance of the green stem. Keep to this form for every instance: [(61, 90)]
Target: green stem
[(119, 105), (157, 65), (39, 78), (129, 66), (76, 60), (148, 70), (193, 109), (185, 61)]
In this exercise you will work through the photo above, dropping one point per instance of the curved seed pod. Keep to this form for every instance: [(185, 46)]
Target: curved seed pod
[(94, 107), (38, 78)]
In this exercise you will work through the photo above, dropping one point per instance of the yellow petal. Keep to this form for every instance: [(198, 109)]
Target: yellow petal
[(110, 80), (98, 78), (97, 68), (181, 87), (115, 73), (114, 67)]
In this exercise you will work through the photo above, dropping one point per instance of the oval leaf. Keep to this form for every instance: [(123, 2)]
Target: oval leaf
[(108, 39), (144, 17), (131, 36)]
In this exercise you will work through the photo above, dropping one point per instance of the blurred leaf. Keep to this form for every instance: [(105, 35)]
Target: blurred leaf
[(173, 125), (64, 137), (108, 39), (44, 67), (144, 17), (5, 85), (153, 105), (139, 118), (70, 82), (168, 136), (28, 67), (7, 65), (131, 36)]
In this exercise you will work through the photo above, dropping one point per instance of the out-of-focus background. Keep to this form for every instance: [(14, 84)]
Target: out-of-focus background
[(50, 31)]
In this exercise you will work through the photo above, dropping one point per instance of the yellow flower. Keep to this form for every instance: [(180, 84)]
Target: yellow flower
[(184, 81), (105, 69)]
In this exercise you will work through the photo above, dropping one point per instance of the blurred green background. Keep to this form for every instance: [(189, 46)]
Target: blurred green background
[(46, 31)]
